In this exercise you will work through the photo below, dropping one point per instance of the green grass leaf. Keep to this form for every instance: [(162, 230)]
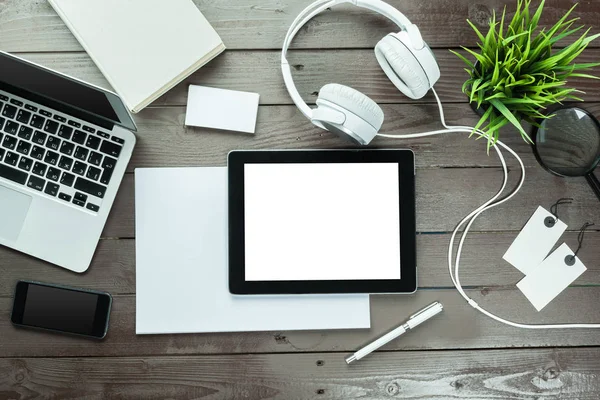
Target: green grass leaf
[(463, 58), (508, 115)]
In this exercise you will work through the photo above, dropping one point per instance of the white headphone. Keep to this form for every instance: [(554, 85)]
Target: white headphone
[(411, 66), (404, 57)]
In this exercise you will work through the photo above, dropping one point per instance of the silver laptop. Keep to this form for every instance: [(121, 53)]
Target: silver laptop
[(64, 148)]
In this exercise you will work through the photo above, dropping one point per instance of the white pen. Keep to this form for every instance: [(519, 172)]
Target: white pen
[(412, 322)]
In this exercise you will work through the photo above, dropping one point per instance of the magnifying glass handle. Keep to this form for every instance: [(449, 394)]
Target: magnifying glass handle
[(594, 183)]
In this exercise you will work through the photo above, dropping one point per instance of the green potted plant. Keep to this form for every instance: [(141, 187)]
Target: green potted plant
[(518, 70)]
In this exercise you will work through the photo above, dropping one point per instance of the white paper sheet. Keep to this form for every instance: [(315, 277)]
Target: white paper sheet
[(221, 109), (181, 265)]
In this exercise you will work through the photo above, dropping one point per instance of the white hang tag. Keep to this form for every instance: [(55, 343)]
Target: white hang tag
[(535, 240), (547, 280)]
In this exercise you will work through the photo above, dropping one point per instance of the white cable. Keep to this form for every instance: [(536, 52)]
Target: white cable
[(470, 219)]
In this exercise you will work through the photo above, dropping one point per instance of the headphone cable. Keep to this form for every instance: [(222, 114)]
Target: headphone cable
[(470, 219)]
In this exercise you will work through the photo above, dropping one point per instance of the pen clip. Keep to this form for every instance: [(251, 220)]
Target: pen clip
[(429, 307)]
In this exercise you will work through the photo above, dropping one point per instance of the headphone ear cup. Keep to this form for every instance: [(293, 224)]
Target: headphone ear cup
[(402, 67), (354, 101)]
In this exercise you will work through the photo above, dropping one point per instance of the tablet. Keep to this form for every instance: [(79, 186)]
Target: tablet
[(322, 221)]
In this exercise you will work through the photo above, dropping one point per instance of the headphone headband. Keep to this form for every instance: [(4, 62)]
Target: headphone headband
[(319, 6)]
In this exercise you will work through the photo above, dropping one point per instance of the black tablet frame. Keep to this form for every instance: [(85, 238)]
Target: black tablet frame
[(406, 174)]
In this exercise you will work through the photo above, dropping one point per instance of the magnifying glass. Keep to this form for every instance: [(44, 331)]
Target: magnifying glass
[(568, 144)]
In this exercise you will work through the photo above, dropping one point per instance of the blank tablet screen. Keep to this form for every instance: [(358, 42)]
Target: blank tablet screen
[(321, 221)]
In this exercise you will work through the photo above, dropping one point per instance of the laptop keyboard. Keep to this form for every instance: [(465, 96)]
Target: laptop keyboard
[(54, 155)]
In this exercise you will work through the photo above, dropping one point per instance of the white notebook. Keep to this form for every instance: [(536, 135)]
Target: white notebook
[(143, 47), (181, 265)]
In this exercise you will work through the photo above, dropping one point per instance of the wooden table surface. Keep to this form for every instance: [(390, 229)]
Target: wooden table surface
[(460, 354)]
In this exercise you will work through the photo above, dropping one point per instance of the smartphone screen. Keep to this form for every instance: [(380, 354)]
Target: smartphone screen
[(61, 309)]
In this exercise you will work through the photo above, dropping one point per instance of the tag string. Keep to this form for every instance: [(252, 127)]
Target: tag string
[(554, 207), (580, 236)]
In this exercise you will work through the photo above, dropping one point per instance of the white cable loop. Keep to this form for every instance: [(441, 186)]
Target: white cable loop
[(469, 219)]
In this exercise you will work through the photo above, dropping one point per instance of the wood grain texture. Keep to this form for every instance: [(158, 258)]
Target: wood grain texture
[(32, 25), (513, 374), (285, 127), (113, 267), (260, 71), (458, 327), (444, 196)]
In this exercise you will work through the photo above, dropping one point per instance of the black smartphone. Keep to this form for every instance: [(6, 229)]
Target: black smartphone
[(61, 309)]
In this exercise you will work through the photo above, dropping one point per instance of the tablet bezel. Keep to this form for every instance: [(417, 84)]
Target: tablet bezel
[(406, 175)]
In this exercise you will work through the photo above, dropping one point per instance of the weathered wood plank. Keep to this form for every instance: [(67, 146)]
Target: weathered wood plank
[(32, 25), (260, 71), (285, 127), (458, 327), (113, 267), (498, 374), (444, 196)]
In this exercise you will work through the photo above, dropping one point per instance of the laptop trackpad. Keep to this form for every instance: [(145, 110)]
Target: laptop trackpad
[(13, 210)]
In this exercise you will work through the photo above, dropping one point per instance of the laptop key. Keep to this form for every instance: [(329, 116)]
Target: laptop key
[(74, 123), (65, 163), (109, 166), (90, 187), (23, 116), (59, 118), (25, 132), (30, 107), (93, 142), (9, 111), (88, 129), (11, 127), (81, 153), (95, 158), (80, 196), (2, 121), (117, 139), (39, 137), (9, 142), (79, 137), (2, 152), (110, 148), (67, 148), (51, 126), (53, 143), (103, 134), (25, 163), (64, 196), (37, 152), (13, 174), (79, 168), (11, 158), (3, 97), (23, 147), (53, 174), (46, 113), (51, 189), (36, 183), (67, 179), (93, 173), (39, 169), (51, 157), (78, 203), (92, 207), (65, 132), (38, 121), (16, 102)]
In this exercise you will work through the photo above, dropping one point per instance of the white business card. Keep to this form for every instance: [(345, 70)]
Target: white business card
[(225, 109)]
